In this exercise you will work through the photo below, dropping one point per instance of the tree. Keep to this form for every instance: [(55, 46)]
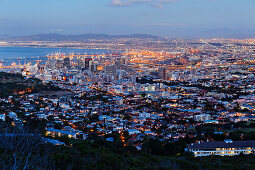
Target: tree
[(157, 148), (236, 135), (20, 149)]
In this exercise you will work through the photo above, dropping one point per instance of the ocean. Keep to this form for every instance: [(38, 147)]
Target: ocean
[(9, 55)]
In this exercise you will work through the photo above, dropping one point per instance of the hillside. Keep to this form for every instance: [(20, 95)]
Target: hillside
[(11, 84)]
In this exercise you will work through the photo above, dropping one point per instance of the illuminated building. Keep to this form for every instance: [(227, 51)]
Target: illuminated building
[(162, 73), (99, 67), (222, 148), (80, 63), (66, 62), (87, 63)]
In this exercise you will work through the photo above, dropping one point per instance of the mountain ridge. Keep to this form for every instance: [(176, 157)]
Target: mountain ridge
[(80, 37)]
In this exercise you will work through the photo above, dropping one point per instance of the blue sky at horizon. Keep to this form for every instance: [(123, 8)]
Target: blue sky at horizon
[(158, 17)]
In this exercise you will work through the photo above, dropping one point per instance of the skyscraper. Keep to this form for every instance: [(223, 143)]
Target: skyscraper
[(66, 62), (80, 63), (162, 73), (87, 63)]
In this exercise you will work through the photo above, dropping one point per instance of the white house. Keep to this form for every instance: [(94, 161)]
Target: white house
[(222, 148)]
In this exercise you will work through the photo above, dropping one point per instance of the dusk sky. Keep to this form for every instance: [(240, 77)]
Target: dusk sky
[(158, 17)]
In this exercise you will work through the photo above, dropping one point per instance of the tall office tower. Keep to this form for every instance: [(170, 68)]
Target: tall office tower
[(93, 67), (66, 62), (162, 73), (80, 63), (125, 60), (87, 63)]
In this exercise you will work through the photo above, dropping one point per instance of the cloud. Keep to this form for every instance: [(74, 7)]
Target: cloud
[(56, 30), (120, 3), (154, 3)]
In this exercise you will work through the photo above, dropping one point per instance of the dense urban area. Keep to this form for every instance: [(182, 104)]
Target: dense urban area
[(145, 104)]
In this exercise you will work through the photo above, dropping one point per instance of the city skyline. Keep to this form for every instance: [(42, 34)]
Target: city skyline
[(127, 84), (171, 18)]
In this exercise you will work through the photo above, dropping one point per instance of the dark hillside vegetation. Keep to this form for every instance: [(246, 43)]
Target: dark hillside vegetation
[(11, 84), (24, 149)]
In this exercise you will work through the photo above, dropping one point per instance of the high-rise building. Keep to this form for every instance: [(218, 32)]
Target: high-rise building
[(87, 63), (80, 63), (93, 67), (66, 62), (162, 73)]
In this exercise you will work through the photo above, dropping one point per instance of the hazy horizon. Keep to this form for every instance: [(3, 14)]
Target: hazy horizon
[(171, 18)]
